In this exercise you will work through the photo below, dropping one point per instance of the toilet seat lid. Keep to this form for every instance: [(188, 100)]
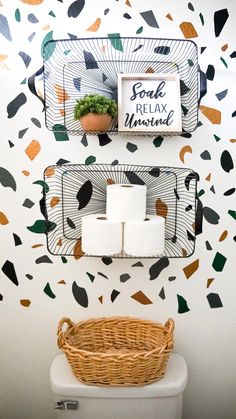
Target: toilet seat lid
[(64, 383)]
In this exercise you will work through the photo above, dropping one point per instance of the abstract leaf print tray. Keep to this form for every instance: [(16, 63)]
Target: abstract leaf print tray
[(76, 67), (171, 193)]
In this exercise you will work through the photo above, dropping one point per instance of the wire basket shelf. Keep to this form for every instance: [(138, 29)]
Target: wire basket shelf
[(171, 193), (76, 67)]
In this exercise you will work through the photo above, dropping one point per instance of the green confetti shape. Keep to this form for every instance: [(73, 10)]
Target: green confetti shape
[(17, 15), (224, 62), (158, 141), (184, 109), (91, 277), (232, 213), (48, 291), (47, 50), (41, 226), (90, 160), (190, 63), (115, 41), (64, 260), (182, 304), (60, 133), (217, 138), (43, 184), (139, 30), (201, 18), (51, 13), (219, 262)]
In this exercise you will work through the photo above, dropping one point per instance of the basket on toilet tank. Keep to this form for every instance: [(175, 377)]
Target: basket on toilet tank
[(116, 351)]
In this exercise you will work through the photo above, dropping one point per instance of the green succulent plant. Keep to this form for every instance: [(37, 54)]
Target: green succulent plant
[(96, 104)]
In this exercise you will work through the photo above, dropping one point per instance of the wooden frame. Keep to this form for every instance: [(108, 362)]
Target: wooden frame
[(149, 102)]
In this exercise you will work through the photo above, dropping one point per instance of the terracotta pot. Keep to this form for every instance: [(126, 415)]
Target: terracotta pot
[(96, 122)]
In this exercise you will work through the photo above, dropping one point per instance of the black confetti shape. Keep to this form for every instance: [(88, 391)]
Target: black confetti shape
[(1, 297), (43, 259), (25, 57), (22, 133), (214, 300), (103, 139), (76, 8), (221, 95), (17, 239), (4, 28), (202, 49), (162, 49), (158, 267), (15, 104), (226, 161), (199, 217), (149, 18), (31, 37), (127, 16), (233, 55), (11, 145), (106, 11), (84, 194), (32, 18), (210, 215), (114, 295), (90, 61), (80, 295), (77, 83), (60, 162), (188, 179), (208, 246), (28, 276), (205, 155), (6, 179), (155, 172), (28, 203), (229, 192), (190, 6), (172, 278), (103, 275), (131, 147), (210, 73), (36, 122), (134, 178), (9, 270), (190, 236), (84, 140), (106, 260), (183, 88), (220, 19), (70, 223), (138, 48), (137, 265), (124, 277), (162, 294)]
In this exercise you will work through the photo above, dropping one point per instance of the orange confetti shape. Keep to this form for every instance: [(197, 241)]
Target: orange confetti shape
[(169, 16), (54, 201), (32, 2), (95, 26), (35, 246), (224, 48), (208, 178), (25, 302), (110, 182), (46, 28), (184, 253), (128, 3), (62, 282), (223, 236), (188, 30), (161, 208), (3, 219), (209, 281), (49, 171), (25, 172), (185, 149), (62, 96), (141, 298), (150, 70), (62, 112), (101, 299), (77, 250), (59, 243), (233, 140), (212, 114), (3, 65), (33, 149), (191, 268)]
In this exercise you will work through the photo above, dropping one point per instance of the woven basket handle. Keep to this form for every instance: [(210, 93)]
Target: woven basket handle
[(169, 328), (60, 333)]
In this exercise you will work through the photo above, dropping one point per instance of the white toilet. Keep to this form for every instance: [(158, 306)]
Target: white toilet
[(160, 400)]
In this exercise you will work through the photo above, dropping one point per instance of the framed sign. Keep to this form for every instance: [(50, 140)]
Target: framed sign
[(149, 102)]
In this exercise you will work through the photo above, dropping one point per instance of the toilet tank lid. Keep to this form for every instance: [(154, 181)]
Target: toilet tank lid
[(63, 382)]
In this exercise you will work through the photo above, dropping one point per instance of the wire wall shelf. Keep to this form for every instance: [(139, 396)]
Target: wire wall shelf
[(171, 193), (76, 67)]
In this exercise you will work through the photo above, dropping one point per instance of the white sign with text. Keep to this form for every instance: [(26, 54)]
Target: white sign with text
[(149, 102)]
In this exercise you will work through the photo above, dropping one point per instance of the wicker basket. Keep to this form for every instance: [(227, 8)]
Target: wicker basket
[(116, 351)]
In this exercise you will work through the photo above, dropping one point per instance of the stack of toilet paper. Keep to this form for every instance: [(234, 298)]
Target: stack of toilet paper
[(125, 226)]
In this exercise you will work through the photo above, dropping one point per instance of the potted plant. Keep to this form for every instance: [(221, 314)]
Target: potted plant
[(95, 112)]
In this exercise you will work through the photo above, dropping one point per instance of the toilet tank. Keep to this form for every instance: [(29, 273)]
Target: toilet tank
[(159, 400)]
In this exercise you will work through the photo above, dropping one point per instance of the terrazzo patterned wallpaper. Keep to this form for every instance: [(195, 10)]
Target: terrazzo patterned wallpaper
[(39, 288)]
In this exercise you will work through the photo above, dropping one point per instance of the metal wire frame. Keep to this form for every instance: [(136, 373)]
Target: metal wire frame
[(171, 192), (76, 67)]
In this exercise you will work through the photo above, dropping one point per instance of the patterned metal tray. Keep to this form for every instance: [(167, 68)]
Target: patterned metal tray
[(171, 193)]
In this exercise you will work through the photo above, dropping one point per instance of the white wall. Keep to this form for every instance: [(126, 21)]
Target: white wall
[(205, 336)]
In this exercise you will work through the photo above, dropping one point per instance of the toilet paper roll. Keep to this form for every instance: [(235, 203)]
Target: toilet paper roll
[(126, 202), (100, 236), (145, 238)]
